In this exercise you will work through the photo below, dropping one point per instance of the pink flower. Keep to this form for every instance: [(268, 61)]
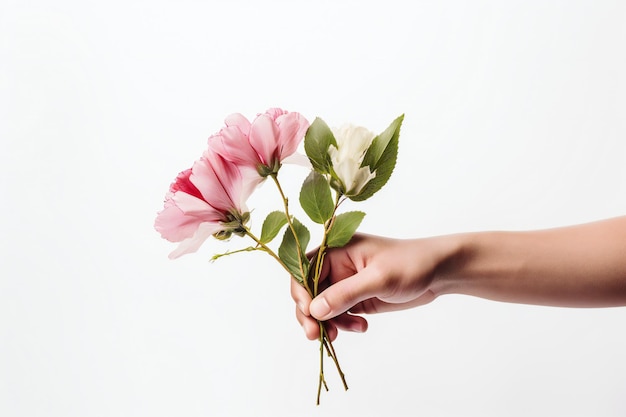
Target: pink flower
[(208, 199), (263, 144)]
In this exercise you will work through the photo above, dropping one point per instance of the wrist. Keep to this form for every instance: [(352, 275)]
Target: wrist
[(482, 263), (450, 260)]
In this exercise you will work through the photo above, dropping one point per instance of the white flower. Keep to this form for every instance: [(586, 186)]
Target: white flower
[(352, 144)]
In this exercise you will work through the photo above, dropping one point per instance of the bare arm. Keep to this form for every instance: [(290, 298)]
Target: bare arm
[(575, 266)]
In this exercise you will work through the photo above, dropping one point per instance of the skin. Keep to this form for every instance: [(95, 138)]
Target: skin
[(575, 266)]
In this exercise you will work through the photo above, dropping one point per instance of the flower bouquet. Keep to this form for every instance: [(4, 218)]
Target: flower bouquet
[(209, 199)]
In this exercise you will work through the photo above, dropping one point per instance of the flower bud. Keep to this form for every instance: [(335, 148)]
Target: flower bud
[(352, 144)]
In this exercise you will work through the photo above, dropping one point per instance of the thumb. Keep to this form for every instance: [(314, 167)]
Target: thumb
[(342, 295)]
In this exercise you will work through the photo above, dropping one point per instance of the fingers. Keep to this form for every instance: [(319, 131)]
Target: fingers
[(309, 325), (350, 323), (346, 322), (342, 295), (374, 305), (331, 330), (300, 296)]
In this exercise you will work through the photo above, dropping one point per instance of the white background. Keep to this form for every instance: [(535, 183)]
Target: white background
[(514, 120)]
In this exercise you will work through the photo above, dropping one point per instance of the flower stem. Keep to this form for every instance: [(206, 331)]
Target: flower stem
[(293, 230), (266, 248), (325, 342), (322, 381), (248, 249), (333, 355), (321, 253)]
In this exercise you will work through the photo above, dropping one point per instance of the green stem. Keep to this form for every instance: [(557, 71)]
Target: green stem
[(325, 342), (324, 339), (332, 354), (248, 249), (322, 249), (265, 248), (293, 230), (322, 380)]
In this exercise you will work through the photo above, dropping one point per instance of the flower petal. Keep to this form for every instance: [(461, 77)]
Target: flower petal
[(234, 146), (275, 112), (297, 158), (175, 225), (250, 180), (264, 139), (360, 179), (240, 121), (192, 206), (292, 128), (192, 244), (217, 180), (182, 183)]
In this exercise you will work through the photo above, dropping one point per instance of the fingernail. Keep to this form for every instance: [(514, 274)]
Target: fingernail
[(319, 308), (357, 328)]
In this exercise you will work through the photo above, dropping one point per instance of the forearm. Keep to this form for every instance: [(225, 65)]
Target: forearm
[(576, 266)]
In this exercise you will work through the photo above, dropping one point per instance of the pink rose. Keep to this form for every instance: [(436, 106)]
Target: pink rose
[(205, 200), (263, 144)]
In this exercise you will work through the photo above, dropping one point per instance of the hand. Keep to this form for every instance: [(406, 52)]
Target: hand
[(370, 275), (575, 266)]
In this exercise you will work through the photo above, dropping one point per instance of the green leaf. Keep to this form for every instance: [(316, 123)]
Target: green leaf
[(343, 229), (291, 254), (272, 225), (316, 199), (316, 142), (381, 157), (381, 142)]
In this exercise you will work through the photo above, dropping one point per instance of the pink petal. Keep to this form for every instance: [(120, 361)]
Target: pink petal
[(216, 180), (264, 138), (292, 127), (192, 206), (192, 244), (297, 158), (182, 183), (240, 121), (275, 112), (234, 146), (174, 225), (250, 180)]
